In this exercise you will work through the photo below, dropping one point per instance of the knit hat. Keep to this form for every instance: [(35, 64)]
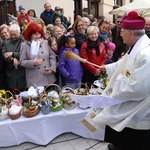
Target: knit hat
[(111, 46), (57, 8), (133, 21), (21, 8)]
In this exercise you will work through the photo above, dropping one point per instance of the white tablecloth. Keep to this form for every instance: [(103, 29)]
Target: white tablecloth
[(41, 129)]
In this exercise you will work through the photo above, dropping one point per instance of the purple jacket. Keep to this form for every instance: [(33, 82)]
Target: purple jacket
[(69, 68)]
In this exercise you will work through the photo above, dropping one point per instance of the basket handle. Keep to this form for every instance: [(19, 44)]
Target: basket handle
[(10, 93), (85, 84), (43, 96), (52, 85), (30, 98), (16, 90), (68, 87)]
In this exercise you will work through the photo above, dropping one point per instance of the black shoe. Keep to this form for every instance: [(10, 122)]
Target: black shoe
[(111, 147)]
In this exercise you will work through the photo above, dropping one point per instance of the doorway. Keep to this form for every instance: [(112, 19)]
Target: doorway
[(85, 7)]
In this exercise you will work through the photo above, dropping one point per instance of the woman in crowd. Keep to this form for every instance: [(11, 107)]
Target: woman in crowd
[(15, 74), (37, 57), (31, 13), (4, 32), (49, 30), (79, 35), (93, 51)]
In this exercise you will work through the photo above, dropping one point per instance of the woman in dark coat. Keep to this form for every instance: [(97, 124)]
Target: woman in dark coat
[(80, 34)]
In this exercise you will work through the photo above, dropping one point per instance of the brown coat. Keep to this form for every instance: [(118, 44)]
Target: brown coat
[(34, 74)]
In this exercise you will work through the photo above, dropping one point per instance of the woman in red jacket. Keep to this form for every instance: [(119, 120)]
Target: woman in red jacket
[(93, 51)]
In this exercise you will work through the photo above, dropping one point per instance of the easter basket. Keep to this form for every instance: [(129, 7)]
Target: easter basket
[(96, 89), (14, 116), (14, 112), (45, 104), (30, 109), (84, 90), (68, 103), (54, 91), (33, 91)]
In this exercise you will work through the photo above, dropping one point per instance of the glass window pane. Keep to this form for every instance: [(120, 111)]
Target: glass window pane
[(85, 7)]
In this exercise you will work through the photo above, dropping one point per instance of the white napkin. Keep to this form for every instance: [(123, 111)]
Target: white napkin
[(15, 109), (32, 92), (53, 94)]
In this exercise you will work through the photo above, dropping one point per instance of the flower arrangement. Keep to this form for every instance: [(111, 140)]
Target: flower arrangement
[(2, 93), (5, 97), (104, 79)]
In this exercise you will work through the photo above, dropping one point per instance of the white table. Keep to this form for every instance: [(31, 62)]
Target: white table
[(42, 129)]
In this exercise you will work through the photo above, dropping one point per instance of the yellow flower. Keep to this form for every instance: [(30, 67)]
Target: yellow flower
[(2, 93)]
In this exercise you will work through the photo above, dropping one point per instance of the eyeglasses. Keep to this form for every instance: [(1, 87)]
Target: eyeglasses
[(79, 25), (119, 21)]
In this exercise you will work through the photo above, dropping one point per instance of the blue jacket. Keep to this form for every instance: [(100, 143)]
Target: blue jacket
[(70, 69)]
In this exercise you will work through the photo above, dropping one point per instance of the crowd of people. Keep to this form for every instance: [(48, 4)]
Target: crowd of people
[(33, 50)]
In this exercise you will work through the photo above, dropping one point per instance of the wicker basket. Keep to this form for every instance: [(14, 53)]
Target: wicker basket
[(84, 89), (13, 117), (30, 113), (68, 103), (37, 98), (53, 87)]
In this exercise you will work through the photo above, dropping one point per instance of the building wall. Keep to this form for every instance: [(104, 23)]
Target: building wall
[(105, 6), (38, 5)]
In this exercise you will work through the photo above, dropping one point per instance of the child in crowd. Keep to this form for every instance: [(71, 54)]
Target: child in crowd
[(54, 46), (70, 69), (57, 32), (70, 31), (110, 48), (104, 36), (22, 14)]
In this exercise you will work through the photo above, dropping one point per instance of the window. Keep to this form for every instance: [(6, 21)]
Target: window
[(85, 7), (119, 2)]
